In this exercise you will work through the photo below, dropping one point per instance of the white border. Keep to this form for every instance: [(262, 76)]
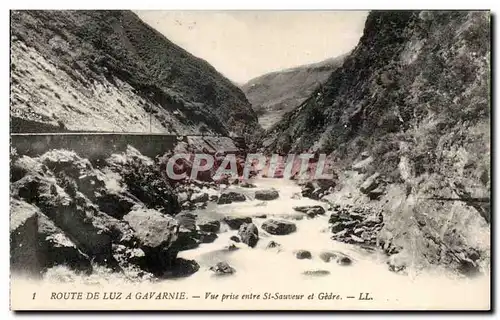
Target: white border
[(192, 5)]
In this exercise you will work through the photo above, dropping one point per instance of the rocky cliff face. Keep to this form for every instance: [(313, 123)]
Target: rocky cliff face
[(410, 109), (109, 71), (276, 93)]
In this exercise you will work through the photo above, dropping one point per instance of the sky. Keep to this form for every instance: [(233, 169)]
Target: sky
[(245, 44)]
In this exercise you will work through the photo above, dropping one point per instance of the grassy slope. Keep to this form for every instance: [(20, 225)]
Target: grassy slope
[(104, 70)]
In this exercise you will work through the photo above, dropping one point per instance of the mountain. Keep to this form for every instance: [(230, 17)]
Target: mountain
[(109, 71), (276, 93), (408, 115)]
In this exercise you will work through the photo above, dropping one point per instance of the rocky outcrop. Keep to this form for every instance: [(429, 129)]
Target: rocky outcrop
[(248, 185), (316, 273), (249, 234), (279, 227), (266, 195)]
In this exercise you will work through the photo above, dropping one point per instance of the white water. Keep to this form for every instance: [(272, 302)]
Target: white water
[(259, 270)]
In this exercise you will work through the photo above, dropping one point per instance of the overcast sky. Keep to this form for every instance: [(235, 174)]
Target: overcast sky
[(246, 44)]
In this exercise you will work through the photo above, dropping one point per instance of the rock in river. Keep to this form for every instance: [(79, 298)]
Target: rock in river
[(311, 211), (303, 254), (336, 256), (249, 234), (316, 273), (279, 227), (210, 226)]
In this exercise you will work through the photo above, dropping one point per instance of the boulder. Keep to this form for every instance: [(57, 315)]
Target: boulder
[(222, 268), (231, 197), (210, 226), (235, 239), (55, 248), (371, 183), (181, 268), (324, 184), (337, 226), (362, 165), (75, 215), (199, 197), (249, 234), (337, 257), (303, 254), (24, 258), (74, 172), (235, 222), (376, 193), (157, 235), (231, 247), (357, 239), (310, 211), (398, 262), (266, 195), (116, 204), (186, 239), (316, 273), (279, 227), (182, 197)]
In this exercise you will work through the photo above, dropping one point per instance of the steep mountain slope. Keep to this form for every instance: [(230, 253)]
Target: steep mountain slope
[(413, 97), (108, 71), (276, 93)]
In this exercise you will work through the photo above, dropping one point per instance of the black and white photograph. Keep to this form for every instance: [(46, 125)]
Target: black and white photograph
[(312, 160)]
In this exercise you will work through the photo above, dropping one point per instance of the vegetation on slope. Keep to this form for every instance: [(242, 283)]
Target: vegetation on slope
[(109, 71)]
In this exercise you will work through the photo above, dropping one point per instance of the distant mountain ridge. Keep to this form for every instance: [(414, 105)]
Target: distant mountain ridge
[(274, 94)]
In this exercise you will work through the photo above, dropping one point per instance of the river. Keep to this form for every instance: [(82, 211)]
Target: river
[(262, 274)]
